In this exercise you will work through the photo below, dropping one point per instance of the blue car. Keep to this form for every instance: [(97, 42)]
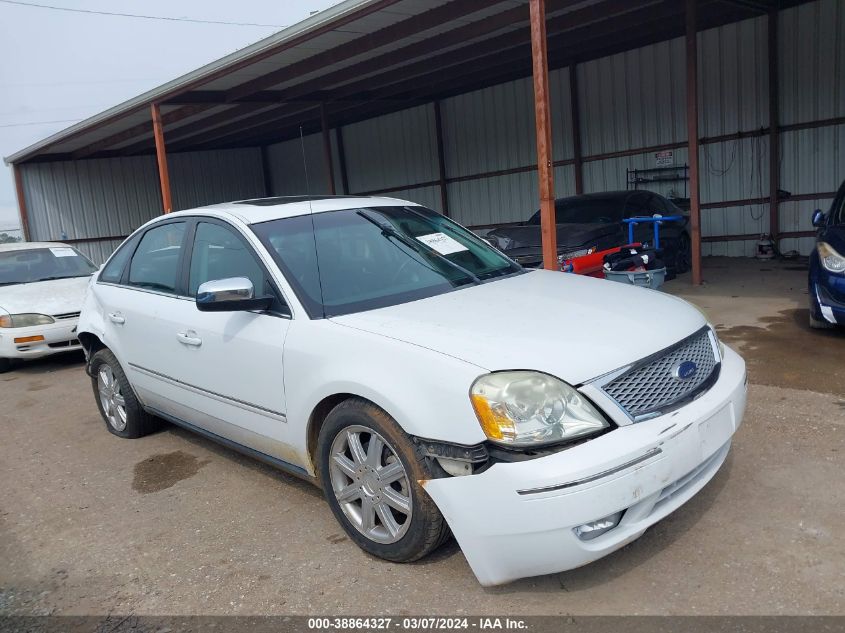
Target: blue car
[(827, 266)]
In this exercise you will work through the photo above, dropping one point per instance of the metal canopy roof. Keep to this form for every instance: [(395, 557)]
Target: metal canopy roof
[(362, 58)]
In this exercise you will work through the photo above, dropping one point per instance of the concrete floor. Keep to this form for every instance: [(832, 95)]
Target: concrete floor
[(174, 524)]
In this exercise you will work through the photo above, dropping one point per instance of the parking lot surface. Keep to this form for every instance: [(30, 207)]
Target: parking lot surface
[(175, 524)]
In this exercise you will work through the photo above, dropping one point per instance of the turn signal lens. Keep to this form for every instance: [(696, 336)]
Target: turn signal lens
[(29, 339), (5, 321), (494, 425), (830, 259)]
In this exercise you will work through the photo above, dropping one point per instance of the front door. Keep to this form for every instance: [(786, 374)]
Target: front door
[(230, 364)]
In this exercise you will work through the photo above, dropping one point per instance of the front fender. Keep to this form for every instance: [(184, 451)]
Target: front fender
[(426, 392)]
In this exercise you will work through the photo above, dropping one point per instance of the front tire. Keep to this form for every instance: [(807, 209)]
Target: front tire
[(116, 401), (5, 365), (370, 471)]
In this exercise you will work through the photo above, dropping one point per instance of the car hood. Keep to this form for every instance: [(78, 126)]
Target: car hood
[(568, 235), (58, 296), (573, 327)]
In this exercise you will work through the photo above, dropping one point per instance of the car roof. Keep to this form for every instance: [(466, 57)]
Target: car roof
[(607, 195), (25, 246), (258, 210)]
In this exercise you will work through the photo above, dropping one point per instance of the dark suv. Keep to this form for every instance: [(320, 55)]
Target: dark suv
[(827, 266), (594, 221)]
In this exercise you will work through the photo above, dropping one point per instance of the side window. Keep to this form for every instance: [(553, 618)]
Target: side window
[(155, 265), (219, 253), (113, 271)]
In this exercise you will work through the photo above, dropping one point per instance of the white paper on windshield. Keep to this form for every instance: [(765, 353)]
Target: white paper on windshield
[(442, 243), (63, 251)]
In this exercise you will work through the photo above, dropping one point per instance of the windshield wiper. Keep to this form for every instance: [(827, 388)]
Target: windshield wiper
[(388, 231), (58, 277)]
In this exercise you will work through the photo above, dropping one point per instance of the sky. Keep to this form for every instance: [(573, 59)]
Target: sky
[(58, 67)]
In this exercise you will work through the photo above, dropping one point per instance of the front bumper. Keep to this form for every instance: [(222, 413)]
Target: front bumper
[(517, 519), (828, 298), (58, 337)]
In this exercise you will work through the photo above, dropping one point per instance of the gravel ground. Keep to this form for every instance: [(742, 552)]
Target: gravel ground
[(174, 524)]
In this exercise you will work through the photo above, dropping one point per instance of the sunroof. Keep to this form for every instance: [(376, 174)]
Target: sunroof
[(272, 202)]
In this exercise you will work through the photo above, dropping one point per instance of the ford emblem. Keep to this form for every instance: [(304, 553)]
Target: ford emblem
[(684, 370)]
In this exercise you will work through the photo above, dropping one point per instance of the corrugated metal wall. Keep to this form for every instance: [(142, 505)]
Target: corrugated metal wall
[(628, 102), (287, 164), (398, 149), (111, 197), (812, 88)]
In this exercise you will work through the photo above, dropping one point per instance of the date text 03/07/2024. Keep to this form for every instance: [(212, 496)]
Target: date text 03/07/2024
[(415, 623)]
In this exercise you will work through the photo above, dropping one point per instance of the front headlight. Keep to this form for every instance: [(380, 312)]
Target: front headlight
[(830, 259), (527, 408), (25, 320)]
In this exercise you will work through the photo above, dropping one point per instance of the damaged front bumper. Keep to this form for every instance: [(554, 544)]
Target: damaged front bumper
[(519, 519)]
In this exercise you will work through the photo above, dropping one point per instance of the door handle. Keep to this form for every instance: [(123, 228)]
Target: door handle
[(189, 338), (117, 317)]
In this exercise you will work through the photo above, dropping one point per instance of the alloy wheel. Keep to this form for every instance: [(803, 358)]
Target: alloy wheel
[(370, 484), (113, 402)]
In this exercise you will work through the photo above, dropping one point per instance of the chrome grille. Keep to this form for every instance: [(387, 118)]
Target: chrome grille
[(652, 386), (66, 315)]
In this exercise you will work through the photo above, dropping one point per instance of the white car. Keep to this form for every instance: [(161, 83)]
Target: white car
[(42, 286), (423, 379)]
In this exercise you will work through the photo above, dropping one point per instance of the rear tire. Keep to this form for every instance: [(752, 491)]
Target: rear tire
[(123, 414), (370, 471)]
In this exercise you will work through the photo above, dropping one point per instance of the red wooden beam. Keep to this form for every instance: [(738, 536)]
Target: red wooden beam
[(19, 192), (327, 147), (411, 26), (341, 159), (543, 123), (576, 129), (441, 160), (774, 117), (266, 171), (453, 66), (135, 131), (161, 157), (692, 136)]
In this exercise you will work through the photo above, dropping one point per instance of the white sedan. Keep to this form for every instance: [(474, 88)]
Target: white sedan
[(423, 379), (42, 286)]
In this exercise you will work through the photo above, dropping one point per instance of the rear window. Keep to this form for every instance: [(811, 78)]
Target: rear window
[(43, 264), (585, 210), (155, 265)]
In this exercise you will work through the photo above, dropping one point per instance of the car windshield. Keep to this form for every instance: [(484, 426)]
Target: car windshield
[(585, 211), (42, 264), (353, 260)]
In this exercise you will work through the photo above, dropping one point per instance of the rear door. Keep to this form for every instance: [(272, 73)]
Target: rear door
[(139, 302)]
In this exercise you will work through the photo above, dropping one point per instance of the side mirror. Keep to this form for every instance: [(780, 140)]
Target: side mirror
[(229, 295), (818, 218)]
